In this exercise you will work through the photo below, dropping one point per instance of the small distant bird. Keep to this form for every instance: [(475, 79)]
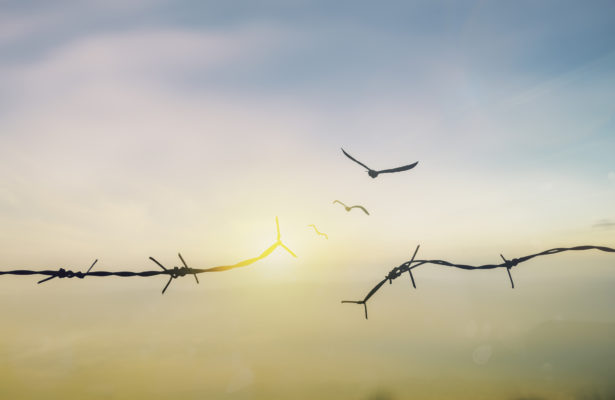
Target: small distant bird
[(374, 173), (350, 208), (320, 233)]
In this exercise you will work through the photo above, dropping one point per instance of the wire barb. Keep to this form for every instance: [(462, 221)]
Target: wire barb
[(176, 272), (410, 269), (63, 273), (166, 271), (91, 266), (186, 266), (508, 265)]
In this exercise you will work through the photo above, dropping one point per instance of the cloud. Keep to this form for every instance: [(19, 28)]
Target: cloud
[(605, 223), (152, 56), (15, 27)]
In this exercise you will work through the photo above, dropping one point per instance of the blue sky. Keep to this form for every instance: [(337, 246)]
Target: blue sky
[(507, 106)]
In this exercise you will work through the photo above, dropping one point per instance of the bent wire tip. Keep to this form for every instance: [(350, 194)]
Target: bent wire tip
[(277, 227), (358, 302), (287, 249), (279, 240)]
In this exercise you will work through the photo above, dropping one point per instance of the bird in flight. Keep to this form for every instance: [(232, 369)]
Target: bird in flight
[(374, 173), (350, 208), (320, 233)]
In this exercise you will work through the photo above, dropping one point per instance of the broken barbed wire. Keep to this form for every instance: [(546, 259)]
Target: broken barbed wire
[(508, 264), (173, 273)]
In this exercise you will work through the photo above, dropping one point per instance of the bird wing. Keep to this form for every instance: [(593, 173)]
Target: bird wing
[(399, 169), (337, 201), (355, 160), (319, 232), (362, 208)]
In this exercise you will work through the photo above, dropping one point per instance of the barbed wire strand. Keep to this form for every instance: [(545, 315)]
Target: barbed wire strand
[(173, 273), (508, 264)]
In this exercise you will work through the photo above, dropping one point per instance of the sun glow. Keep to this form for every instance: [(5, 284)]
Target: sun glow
[(264, 254)]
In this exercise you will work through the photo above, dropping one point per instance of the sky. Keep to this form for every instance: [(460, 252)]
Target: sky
[(131, 129)]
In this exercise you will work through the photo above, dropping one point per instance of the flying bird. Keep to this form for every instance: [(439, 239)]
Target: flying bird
[(320, 233), (374, 173), (350, 208)]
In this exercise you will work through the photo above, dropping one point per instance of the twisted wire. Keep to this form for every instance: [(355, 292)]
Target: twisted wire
[(408, 266), (173, 273)]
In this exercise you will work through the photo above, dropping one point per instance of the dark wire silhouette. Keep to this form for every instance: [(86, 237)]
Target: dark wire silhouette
[(374, 173), (350, 208), (508, 264), (173, 273), (319, 232)]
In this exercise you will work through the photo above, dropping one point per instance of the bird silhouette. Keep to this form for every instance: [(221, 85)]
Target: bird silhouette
[(350, 208), (320, 233), (373, 173)]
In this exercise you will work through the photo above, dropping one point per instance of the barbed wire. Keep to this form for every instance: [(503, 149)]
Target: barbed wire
[(173, 273), (508, 264)]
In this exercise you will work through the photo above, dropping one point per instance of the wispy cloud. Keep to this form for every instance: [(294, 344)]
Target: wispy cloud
[(16, 27), (151, 56), (605, 223)]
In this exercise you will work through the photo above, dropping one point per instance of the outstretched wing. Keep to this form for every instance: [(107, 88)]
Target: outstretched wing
[(353, 159), (399, 169), (319, 232), (337, 201), (362, 208)]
